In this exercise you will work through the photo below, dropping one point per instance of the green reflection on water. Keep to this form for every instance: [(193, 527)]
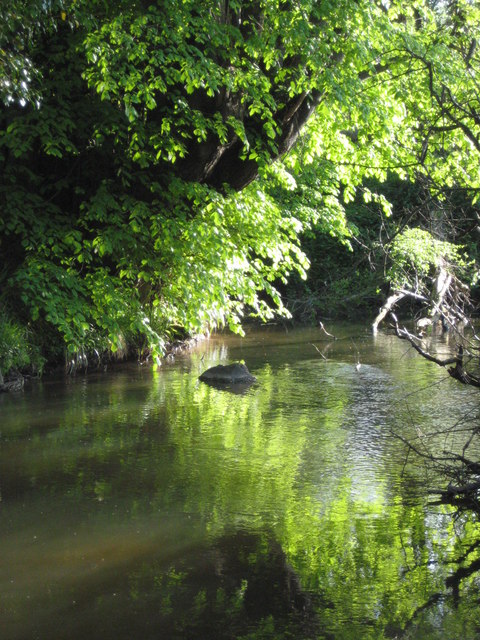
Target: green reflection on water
[(149, 505)]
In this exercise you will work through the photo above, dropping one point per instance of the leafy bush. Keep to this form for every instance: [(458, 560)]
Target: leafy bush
[(15, 350), (416, 255)]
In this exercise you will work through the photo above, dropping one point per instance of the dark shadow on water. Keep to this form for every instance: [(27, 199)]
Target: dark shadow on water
[(240, 586)]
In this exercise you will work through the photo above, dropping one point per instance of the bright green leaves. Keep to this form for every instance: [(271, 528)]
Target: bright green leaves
[(15, 350), (416, 256), (120, 221), (440, 93), (55, 295), (190, 75), (222, 259), (204, 263), (146, 63)]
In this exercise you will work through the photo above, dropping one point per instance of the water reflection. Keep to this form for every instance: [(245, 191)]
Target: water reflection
[(145, 504)]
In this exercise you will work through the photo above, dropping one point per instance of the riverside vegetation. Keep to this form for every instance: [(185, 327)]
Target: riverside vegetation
[(167, 167), (171, 168)]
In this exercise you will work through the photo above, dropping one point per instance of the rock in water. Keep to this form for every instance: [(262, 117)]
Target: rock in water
[(236, 373), (14, 384)]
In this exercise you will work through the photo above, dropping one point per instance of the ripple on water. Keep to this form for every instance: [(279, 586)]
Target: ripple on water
[(120, 495)]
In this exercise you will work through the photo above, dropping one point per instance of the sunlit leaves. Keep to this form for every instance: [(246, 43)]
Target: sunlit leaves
[(117, 168), (416, 255)]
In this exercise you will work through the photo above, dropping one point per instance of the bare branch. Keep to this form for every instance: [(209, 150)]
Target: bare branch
[(406, 335), (386, 309), (330, 335)]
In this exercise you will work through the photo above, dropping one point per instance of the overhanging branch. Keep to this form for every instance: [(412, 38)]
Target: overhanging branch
[(404, 334)]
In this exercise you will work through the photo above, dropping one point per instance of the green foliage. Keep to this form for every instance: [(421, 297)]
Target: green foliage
[(416, 256), (131, 135), (349, 276), (16, 349)]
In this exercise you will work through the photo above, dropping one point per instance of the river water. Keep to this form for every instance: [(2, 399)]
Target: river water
[(144, 504)]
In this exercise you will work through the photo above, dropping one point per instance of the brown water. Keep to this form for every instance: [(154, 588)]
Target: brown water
[(142, 504)]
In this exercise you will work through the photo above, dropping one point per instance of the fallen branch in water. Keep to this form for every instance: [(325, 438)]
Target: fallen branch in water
[(386, 309), (406, 335), (330, 335), (315, 346), (458, 371)]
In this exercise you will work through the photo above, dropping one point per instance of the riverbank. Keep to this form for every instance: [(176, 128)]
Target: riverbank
[(23, 369)]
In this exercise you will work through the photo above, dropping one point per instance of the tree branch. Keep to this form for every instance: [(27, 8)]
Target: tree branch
[(403, 334)]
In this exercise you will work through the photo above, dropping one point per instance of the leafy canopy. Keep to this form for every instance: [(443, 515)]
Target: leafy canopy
[(160, 160)]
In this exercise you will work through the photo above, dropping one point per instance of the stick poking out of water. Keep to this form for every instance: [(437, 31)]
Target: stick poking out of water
[(314, 345), (330, 335)]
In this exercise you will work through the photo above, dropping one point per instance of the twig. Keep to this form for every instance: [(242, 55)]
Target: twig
[(313, 345), (330, 335)]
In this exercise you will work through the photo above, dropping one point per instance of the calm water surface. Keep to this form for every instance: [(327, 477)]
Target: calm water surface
[(144, 504)]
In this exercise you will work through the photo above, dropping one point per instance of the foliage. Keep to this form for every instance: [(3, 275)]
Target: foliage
[(416, 256), (346, 277), (16, 349), (131, 135)]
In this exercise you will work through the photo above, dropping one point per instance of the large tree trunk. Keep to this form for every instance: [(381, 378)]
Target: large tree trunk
[(218, 165)]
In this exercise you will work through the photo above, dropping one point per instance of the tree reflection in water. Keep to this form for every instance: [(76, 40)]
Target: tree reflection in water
[(239, 586), (161, 508)]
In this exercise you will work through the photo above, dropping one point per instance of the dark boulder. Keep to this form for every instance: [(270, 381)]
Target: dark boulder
[(236, 373)]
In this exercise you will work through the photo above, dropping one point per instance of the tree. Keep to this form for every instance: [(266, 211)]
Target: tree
[(132, 135), (447, 67), (427, 270)]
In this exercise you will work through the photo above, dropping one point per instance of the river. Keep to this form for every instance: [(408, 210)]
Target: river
[(144, 504)]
